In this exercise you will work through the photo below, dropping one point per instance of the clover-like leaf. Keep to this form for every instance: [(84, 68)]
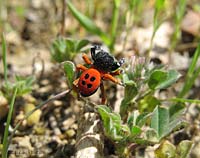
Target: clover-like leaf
[(156, 78), (160, 79), (163, 124), (160, 120)]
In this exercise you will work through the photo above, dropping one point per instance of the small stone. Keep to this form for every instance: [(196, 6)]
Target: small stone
[(44, 82), (68, 123), (40, 130), (29, 99), (70, 133), (45, 89), (57, 131), (74, 126), (3, 106), (57, 103), (33, 118)]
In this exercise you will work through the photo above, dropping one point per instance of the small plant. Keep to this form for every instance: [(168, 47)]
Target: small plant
[(127, 128), (143, 119), (65, 49), (20, 87)]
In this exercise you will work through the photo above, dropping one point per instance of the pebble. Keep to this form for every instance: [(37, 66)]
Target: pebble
[(70, 133)]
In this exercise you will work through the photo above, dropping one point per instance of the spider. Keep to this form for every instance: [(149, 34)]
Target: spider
[(104, 67)]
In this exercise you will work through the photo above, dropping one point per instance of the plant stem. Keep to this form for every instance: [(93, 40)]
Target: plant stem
[(191, 74), (185, 100), (5, 138)]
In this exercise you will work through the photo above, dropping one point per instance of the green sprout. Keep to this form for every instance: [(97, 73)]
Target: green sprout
[(65, 49), (20, 87)]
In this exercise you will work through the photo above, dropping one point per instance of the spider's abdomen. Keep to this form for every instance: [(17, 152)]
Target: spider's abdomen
[(89, 82)]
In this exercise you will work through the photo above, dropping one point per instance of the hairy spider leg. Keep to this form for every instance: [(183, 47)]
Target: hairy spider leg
[(86, 59)]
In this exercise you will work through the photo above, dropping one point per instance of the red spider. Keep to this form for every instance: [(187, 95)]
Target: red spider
[(104, 67)]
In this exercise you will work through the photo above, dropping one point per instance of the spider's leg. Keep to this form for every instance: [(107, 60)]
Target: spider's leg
[(81, 67), (103, 94), (86, 59), (111, 78)]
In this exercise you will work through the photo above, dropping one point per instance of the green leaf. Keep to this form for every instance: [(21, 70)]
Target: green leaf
[(156, 78), (88, 24), (160, 120), (161, 79), (70, 70), (65, 49), (70, 45), (80, 44), (165, 150), (183, 149), (135, 131), (164, 121), (172, 77)]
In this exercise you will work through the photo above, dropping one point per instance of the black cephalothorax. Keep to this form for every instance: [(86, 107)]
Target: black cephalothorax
[(104, 61)]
